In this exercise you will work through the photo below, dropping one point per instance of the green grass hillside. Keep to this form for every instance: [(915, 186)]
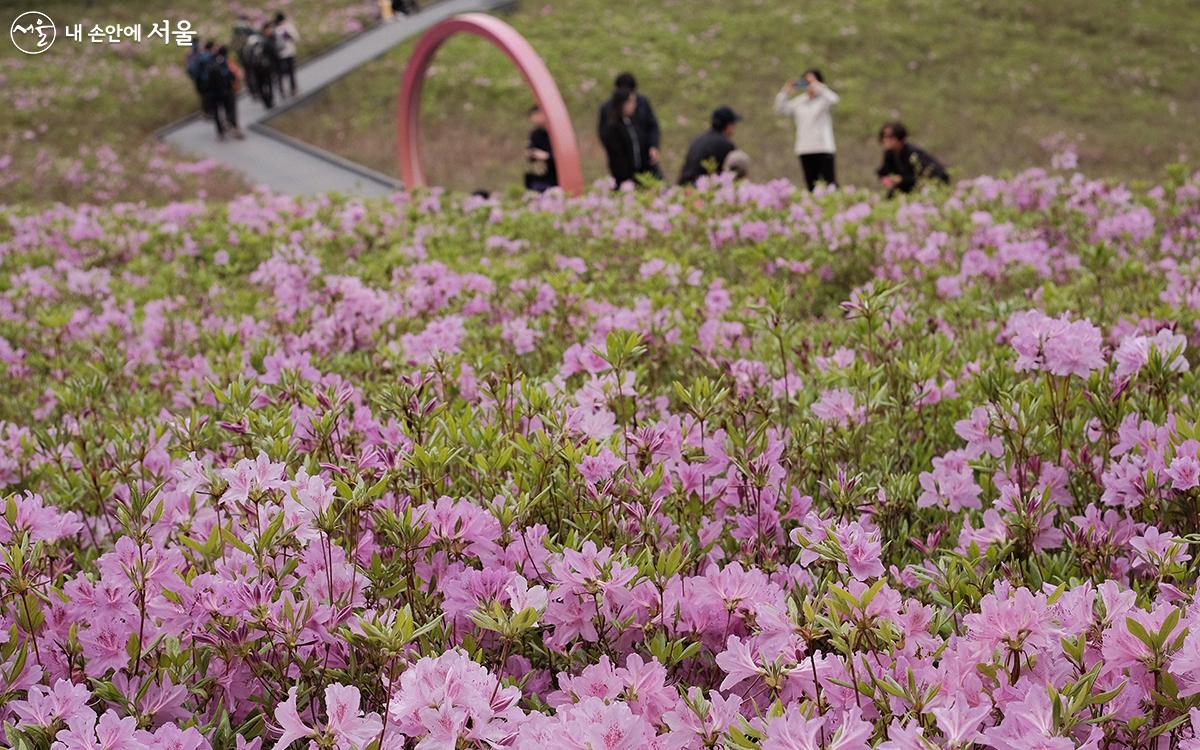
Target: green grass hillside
[(982, 83)]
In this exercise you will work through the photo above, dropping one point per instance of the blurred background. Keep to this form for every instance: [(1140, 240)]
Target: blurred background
[(989, 86)]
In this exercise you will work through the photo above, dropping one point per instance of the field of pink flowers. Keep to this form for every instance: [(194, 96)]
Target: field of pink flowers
[(734, 468)]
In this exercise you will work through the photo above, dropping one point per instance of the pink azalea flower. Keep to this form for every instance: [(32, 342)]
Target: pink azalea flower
[(85, 732), (346, 726), (863, 550), (1056, 345), (960, 723), (43, 706), (838, 407)]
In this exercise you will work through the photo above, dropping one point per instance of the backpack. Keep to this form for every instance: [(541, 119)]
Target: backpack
[(197, 67), (270, 47), (256, 58), (217, 76), (236, 75)]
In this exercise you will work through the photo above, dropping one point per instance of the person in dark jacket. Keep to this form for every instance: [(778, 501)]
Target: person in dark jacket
[(620, 137), (649, 135), (904, 165), (243, 33), (707, 153), (542, 174), (219, 84), (259, 61), (197, 69)]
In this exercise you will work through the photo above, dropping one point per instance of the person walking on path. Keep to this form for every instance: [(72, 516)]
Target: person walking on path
[(809, 102), (197, 69), (904, 165), (220, 87), (542, 174), (243, 32), (407, 7), (649, 135), (707, 153), (286, 38), (260, 62), (620, 137)]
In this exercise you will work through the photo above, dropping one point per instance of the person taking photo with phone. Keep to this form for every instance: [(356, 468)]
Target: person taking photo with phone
[(809, 103)]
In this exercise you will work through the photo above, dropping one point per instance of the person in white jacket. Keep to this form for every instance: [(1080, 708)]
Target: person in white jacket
[(809, 102), (286, 37)]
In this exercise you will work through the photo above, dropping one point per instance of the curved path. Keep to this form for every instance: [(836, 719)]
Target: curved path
[(286, 165)]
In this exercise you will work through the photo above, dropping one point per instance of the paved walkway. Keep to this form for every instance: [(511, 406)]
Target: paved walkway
[(285, 165)]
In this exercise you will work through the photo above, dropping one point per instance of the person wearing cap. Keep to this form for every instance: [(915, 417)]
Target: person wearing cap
[(809, 103), (707, 153)]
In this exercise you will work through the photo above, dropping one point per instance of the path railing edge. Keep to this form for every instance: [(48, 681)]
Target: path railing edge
[(351, 166)]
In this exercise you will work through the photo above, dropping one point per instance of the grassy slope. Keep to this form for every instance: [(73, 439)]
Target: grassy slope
[(981, 82), (77, 97)]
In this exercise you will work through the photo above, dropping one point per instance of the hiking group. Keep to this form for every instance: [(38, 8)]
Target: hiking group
[(263, 60), (629, 132)]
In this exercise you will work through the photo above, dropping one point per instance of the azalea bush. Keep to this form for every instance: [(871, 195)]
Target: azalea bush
[(737, 467)]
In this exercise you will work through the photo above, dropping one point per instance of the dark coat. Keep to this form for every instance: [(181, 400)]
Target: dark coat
[(541, 179), (197, 69), (912, 164), (710, 146), (645, 123), (218, 82), (618, 145)]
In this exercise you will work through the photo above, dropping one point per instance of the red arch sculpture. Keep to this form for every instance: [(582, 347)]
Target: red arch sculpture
[(537, 75)]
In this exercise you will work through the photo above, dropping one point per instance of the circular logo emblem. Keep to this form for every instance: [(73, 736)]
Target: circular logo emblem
[(33, 32)]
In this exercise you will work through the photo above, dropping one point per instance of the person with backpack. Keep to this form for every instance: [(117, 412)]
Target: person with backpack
[(286, 37), (220, 85), (197, 67), (243, 32), (407, 7), (259, 63)]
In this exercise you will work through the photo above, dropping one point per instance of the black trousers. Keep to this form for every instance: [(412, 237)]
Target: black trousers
[(818, 167), (224, 109), (287, 70), (264, 85)]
